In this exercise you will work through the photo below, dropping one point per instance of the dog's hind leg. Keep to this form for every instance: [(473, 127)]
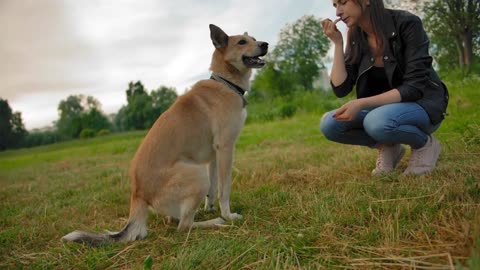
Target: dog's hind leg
[(186, 221), (188, 215), (193, 182), (137, 220)]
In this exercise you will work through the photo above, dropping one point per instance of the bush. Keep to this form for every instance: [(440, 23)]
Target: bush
[(36, 138), (103, 132), (87, 133), (287, 111)]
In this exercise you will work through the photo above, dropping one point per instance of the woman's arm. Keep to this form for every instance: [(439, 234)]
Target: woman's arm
[(339, 75), (415, 55), (349, 110)]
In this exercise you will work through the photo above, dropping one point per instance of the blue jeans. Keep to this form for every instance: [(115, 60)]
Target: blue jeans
[(396, 123)]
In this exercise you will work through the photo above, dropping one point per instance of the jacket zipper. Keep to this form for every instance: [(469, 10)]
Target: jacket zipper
[(434, 83), (363, 72)]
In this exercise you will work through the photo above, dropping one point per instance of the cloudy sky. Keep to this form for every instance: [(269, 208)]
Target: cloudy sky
[(51, 49)]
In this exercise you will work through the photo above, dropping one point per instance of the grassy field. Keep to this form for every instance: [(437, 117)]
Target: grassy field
[(307, 204)]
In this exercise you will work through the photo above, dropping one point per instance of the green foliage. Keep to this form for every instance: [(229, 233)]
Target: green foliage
[(280, 107), (287, 111), (36, 138), (69, 124), (456, 74), (148, 263), (454, 28), (87, 133), (464, 96), (139, 110), (296, 60), (12, 129), (143, 109), (95, 120), (120, 120), (162, 99), (103, 132), (77, 113)]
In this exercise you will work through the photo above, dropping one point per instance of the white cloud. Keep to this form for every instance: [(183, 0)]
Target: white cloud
[(54, 48)]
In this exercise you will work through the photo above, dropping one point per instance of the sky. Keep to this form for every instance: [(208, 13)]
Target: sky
[(52, 49)]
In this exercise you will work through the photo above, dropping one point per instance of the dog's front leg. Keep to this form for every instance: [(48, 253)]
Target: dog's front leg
[(212, 191), (224, 163)]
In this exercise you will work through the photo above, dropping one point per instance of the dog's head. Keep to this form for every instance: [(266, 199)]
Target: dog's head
[(241, 51)]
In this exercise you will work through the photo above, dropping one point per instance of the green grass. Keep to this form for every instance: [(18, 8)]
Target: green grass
[(307, 203)]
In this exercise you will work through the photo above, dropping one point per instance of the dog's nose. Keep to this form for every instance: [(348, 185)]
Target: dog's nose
[(264, 45)]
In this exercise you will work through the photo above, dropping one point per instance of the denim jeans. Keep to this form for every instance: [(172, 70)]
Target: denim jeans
[(396, 123)]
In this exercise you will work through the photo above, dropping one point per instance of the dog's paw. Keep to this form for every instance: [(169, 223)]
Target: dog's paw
[(233, 216)]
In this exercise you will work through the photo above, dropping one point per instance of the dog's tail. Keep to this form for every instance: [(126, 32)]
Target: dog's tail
[(136, 229)]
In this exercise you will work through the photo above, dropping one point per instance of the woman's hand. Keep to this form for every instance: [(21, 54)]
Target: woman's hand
[(331, 31), (349, 110)]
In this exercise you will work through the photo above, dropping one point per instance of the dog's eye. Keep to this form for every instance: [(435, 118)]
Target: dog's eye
[(242, 42)]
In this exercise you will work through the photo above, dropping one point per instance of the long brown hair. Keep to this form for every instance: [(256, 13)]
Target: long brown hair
[(355, 35)]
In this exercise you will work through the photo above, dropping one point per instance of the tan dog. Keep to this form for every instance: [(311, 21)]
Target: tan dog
[(190, 145)]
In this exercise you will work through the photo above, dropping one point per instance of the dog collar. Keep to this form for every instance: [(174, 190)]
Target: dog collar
[(237, 89)]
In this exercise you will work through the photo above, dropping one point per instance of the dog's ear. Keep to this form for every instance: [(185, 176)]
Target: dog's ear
[(219, 38)]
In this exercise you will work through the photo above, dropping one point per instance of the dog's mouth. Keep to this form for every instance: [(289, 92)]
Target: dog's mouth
[(254, 61)]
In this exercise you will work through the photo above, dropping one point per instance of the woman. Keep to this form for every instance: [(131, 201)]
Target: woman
[(400, 98)]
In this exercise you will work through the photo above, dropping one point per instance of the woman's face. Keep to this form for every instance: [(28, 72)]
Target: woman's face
[(350, 11)]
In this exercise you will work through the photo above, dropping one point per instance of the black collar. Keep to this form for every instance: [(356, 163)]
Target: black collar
[(237, 89)]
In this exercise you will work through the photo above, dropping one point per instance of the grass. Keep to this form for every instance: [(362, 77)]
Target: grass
[(307, 204)]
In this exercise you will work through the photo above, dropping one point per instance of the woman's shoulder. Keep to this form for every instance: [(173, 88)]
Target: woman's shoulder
[(400, 15), (403, 20)]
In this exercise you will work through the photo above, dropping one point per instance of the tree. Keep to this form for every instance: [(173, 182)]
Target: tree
[(139, 107), (139, 112), (458, 20), (296, 60), (36, 137), (95, 120), (143, 109), (12, 129), (78, 112), (162, 99), (70, 124), (120, 120)]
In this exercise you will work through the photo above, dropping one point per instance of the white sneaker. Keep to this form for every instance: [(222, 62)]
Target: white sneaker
[(388, 158), (423, 160)]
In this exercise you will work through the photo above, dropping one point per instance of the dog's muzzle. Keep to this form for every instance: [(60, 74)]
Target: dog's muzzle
[(256, 61)]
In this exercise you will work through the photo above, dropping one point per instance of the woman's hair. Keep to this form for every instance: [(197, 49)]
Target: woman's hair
[(355, 34)]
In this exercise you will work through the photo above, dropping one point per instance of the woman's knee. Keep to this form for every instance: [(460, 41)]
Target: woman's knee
[(328, 125), (379, 125)]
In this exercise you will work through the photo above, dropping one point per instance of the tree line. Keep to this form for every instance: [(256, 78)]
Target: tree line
[(82, 117), (293, 66)]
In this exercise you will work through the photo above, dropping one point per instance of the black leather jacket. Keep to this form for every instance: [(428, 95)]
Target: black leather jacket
[(408, 66)]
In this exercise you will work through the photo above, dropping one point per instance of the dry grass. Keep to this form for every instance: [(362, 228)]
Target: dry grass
[(307, 204)]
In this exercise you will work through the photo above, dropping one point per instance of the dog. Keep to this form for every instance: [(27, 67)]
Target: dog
[(191, 145)]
